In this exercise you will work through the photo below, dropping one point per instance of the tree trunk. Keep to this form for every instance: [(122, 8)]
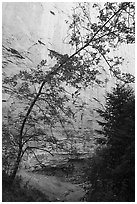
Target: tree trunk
[(16, 166)]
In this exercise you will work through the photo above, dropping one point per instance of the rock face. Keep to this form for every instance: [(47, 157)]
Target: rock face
[(30, 26), (30, 29)]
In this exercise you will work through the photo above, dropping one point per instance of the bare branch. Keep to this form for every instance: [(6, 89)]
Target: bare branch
[(42, 149), (40, 163), (111, 69)]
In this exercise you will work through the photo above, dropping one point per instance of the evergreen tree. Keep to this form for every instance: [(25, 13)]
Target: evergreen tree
[(115, 169)]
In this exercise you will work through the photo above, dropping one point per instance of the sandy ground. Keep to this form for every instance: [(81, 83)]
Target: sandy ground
[(53, 187)]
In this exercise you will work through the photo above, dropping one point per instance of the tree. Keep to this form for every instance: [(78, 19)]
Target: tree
[(117, 158), (51, 104), (78, 70)]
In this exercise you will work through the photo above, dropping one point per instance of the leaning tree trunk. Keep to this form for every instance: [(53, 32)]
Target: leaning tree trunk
[(19, 156), (16, 166)]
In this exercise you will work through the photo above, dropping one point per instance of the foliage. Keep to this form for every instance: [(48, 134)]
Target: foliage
[(113, 165), (112, 25)]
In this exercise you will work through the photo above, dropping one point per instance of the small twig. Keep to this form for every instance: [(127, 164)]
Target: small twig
[(45, 150), (111, 69), (37, 158)]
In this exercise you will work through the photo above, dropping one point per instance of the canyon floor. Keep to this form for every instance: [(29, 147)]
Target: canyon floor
[(55, 188)]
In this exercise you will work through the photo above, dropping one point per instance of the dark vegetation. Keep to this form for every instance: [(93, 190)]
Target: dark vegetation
[(112, 171), (19, 193), (109, 175)]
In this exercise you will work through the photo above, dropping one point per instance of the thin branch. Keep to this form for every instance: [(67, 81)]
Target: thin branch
[(84, 11), (45, 150), (42, 110), (23, 152), (40, 163), (110, 32), (111, 69), (98, 102), (34, 135), (129, 13)]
